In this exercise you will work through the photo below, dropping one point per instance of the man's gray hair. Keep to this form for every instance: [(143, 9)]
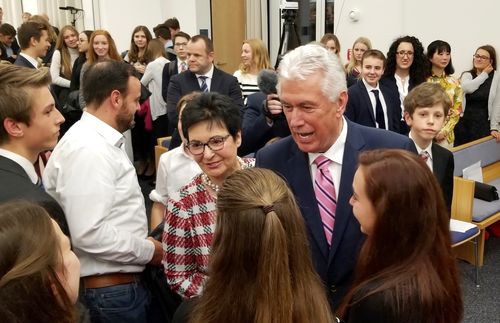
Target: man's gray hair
[(311, 59)]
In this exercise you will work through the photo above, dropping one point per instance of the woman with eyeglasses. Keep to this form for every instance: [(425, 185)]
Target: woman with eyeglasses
[(481, 87), (405, 68), (211, 124), (440, 71)]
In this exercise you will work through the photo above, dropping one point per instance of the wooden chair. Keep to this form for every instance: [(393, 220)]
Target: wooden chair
[(465, 244), (161, 148)]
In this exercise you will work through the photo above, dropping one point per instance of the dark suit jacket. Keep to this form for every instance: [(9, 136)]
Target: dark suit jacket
[(185, 83), (335, 266), (15, 50), (21, 61), (169, 70), (16, 185), (255, 131), (359, 108), (443, 166)]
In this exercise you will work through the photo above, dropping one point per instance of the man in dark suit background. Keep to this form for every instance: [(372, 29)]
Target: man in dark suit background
[(29, 125), (313, 93), (372, 103), (200, 52), (33, 39), (8, 43)]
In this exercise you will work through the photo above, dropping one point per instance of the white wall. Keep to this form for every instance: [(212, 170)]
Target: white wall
[(463, 24), (121, 17)]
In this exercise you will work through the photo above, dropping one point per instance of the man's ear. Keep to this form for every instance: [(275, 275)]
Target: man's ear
[(342, 102), (13, 128), (116, 99), (408, 118)]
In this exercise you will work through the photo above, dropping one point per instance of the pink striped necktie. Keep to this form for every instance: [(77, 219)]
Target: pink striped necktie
[(325, 195)]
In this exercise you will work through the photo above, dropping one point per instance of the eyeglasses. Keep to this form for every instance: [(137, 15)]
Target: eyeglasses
[(484, 58), (180, 44), (402, 53), (215, 143)]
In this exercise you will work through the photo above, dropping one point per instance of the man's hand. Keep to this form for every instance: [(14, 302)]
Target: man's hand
[(274, 104), (158, 254)]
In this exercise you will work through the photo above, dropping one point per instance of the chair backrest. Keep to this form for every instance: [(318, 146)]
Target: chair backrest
[(463, 199), (486, 150)]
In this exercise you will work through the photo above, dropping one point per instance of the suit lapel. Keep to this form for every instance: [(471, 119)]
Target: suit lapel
[(438, 163), (215, 84), (354, 143), (367, 102), (299, 177)]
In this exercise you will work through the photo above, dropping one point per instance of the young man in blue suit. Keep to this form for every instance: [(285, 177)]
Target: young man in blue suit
[(312, 89), (33, 39), (372, 103)]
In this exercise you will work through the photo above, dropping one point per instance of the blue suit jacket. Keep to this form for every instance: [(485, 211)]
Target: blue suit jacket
[(255, 130), (335, 266), (186, 82), (359, 108), (21, 61)]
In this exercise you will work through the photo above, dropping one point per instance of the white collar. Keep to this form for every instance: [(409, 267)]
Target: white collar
[(336, 151)]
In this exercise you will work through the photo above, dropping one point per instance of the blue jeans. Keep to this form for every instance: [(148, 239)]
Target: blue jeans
[(118, 304)]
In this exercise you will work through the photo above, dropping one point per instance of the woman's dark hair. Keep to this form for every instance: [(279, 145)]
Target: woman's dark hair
[(407, 257), (30, 254), (418, 68), (493, 55), (215, 108), (260, 267), (439, 46)]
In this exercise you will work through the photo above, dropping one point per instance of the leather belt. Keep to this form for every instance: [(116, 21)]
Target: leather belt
[(107, 280)]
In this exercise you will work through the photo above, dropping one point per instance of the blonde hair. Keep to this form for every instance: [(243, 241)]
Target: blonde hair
[(65, 55), (352, 61), (260, 267), (260, 55)]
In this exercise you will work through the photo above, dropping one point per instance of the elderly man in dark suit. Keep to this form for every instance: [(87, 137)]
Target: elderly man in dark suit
[(319, 159), (29, 125), (201, 76), (33, 39)]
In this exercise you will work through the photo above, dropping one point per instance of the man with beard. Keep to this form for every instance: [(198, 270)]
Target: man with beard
[(90, 175)]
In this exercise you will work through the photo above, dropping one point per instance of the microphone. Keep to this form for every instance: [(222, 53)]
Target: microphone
[(70, 8), (267, 80)]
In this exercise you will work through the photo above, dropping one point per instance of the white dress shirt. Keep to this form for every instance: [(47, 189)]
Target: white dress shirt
[(175, 169), (91, 177), (373, 100), (152, 79), (23, 162), (336, 154), (403, 84)]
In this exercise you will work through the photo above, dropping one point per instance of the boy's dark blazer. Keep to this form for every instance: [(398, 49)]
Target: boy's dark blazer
[(443, 166), (359, 108), (16, 185)]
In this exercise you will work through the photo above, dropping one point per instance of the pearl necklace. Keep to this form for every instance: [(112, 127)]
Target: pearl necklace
[(207, 181)]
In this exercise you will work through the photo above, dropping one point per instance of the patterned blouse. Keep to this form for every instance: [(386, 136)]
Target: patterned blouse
[(187, 236), (452, 87)]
